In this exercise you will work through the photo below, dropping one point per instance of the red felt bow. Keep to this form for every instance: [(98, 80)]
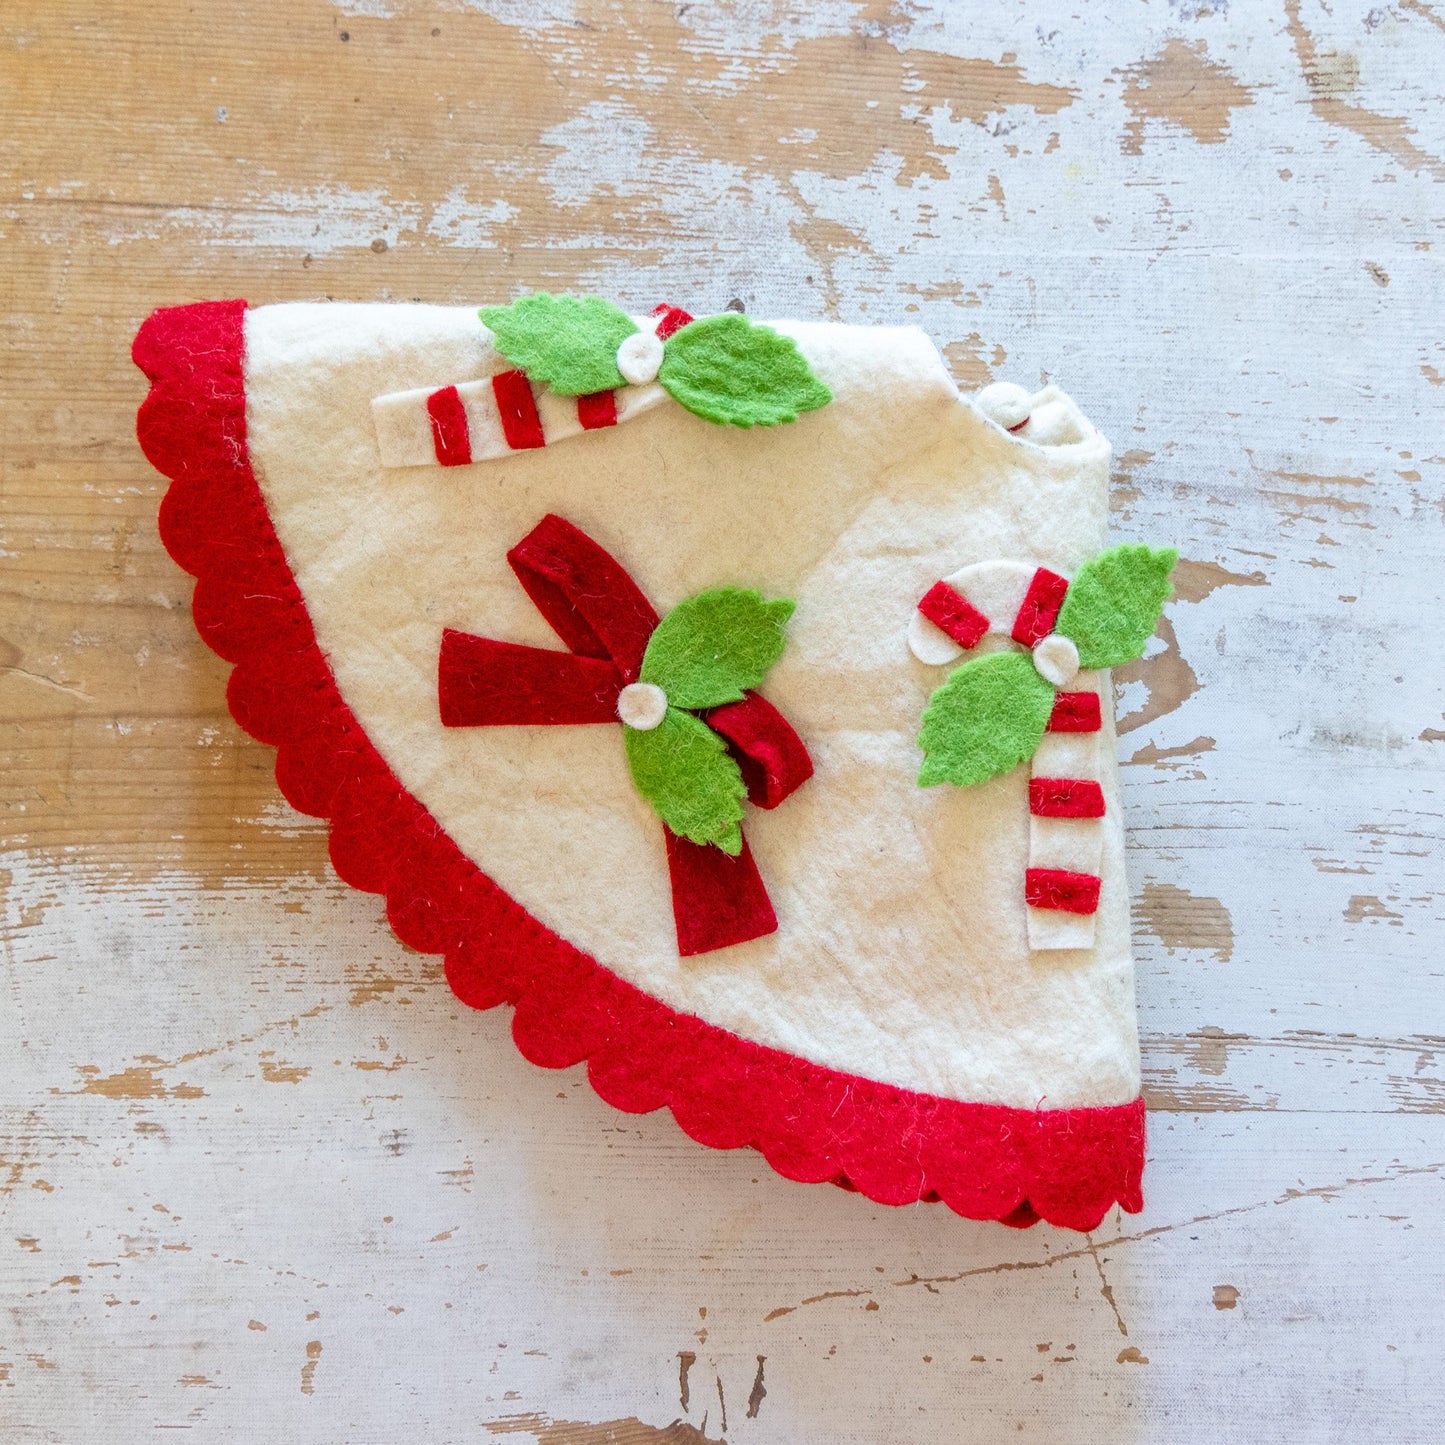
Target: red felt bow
[(599, 612)]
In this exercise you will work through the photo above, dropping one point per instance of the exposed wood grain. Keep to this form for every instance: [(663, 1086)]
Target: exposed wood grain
[(262, 1177)]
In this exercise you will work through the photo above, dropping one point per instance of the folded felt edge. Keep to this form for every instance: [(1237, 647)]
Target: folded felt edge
[(811, 1123)]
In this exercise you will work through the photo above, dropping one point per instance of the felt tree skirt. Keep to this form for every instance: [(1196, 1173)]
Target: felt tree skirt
[(812, 1123)]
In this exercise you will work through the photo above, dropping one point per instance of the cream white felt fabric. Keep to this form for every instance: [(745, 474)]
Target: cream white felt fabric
[(902, 951)]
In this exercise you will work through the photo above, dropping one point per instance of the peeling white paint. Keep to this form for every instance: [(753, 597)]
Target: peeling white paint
[(748, 25), (461, 222), (521, 14), (325, 218), (371, 9), (525, 14), (318, 220), (603, 147)]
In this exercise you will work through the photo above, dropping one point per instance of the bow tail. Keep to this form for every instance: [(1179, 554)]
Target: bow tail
[(717, 900), (485, 683)]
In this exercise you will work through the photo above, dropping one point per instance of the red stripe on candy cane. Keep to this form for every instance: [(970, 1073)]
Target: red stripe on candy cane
[(1076, 712), (517, 409), (1059, 889), (597, 409), (1065, 798), (450, 435), (674, 318), (952, 613), (1040, 608)]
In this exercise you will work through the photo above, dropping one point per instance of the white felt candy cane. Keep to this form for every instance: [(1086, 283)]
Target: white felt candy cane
[(482, 420), (1066, 799)]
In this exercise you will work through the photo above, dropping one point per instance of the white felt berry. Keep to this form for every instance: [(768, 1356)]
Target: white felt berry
[(1005, 403), (1057, 659), (638, 359), (642, 705)]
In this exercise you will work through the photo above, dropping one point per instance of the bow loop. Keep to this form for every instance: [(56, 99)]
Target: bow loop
[(772, 756), (585, 594)]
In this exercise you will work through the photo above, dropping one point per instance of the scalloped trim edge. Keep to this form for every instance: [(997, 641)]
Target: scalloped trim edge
[(812, 1124)]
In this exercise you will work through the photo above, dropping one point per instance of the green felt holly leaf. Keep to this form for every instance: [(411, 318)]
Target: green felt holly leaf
[(728, 369), (567, 343), (683, 769), (986, 719), (713, 647), (1113, 603)]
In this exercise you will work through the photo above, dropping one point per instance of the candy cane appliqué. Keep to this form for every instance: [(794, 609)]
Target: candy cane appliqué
[(578, 366), (477, 421), (1002, 708), (1066, 798)]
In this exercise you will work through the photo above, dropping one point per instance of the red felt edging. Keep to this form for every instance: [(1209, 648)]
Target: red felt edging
[(813, 1124)]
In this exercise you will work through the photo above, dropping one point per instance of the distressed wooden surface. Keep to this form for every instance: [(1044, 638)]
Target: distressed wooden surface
[(263, 1178)]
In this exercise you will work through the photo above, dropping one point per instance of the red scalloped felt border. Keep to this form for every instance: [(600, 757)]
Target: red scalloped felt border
[(813, 1124)]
